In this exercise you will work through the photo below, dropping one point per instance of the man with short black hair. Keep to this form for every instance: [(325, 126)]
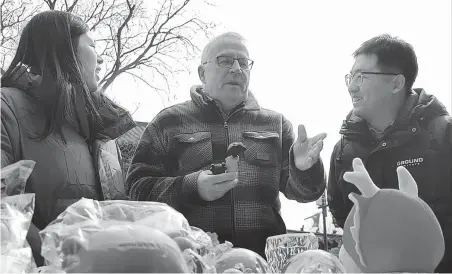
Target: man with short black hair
[(391, 125)]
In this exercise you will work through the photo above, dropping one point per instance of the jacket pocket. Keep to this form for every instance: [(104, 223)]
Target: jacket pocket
[(194, 150), (261, 147)]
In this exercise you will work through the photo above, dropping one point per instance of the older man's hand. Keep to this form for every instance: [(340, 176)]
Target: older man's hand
[(306, 151), (212, 187)]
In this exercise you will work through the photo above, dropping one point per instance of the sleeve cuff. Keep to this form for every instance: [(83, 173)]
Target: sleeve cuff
[(189, 188), (310, 184), (306, 176)]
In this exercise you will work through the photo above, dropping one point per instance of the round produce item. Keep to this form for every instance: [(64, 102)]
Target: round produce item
[(314, 261), (241, 259), (124, 249)]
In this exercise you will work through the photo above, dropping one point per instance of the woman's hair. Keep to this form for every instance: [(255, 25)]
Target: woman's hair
[(48, 45)]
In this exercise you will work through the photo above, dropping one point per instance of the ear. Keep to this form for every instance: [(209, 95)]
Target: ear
[(399, 83), (201, 74), (407, 184)]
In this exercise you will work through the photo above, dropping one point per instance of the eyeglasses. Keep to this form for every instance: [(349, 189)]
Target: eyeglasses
[(228, 62), (358, 77)]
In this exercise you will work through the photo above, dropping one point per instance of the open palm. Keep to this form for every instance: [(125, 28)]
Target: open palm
[(306, 150)]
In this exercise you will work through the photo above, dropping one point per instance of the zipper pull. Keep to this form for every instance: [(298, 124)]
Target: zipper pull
[(225, 124)]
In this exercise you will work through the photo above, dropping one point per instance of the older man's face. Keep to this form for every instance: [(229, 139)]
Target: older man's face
[(229, 86)]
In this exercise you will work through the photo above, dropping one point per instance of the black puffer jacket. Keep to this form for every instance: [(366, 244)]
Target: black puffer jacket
[(420, 140)]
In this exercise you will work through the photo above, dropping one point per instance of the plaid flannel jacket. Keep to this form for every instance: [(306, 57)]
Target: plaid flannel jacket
[(186, 138)]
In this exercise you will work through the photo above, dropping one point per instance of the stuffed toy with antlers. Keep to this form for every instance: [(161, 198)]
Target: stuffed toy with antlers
[(389, 230)]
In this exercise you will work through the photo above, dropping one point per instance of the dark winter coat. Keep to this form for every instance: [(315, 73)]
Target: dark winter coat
[(420, 139)]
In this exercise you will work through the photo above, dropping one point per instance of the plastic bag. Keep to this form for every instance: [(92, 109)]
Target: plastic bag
[(17, 260), (205, 241), (196, 263), (87, 217), (16, 214), (314, 261), (228, 259), (225, 258), (280, 248), (14, 177), (128, 248)]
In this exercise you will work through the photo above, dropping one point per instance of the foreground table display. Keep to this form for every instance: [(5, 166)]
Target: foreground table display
[(110, 236)]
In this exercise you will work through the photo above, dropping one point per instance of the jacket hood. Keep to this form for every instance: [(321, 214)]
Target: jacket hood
[(115, 120), (418, 105), (201, 99)]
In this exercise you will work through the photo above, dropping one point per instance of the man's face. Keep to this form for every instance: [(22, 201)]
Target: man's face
[(229, 86), (375, 92)]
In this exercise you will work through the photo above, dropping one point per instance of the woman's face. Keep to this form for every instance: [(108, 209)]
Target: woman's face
[(90, 61)]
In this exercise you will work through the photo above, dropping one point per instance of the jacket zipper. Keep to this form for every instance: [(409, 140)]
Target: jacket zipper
[(97, 166), (226, 133), (226, 128)]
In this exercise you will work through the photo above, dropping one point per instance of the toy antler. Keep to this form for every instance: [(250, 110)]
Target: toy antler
[(407, 183), (361, 179)]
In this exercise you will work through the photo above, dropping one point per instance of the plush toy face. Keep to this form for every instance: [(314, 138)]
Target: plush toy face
[(389, 230)]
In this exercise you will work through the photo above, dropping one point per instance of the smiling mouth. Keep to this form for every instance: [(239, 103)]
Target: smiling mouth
[(356, 99)]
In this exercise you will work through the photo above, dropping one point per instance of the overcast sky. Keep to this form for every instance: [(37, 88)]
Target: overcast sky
[(302, 50)]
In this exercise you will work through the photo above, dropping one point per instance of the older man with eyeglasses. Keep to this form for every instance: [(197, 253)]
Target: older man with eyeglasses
[(394, 125), (172, 161)]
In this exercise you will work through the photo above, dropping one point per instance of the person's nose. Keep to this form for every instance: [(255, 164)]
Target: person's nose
[(352, 88), (236, 67)]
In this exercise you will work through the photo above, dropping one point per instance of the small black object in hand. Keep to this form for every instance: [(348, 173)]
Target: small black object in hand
[(235, 149), (218, 168)]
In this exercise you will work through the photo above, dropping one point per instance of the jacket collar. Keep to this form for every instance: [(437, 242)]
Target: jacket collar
[(418, 105), (115, 120), (202, 100)]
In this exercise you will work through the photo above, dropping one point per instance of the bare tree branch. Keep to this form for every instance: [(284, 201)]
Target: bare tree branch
[(71, 7), (50, 4), (13, 17), (137, 106), (155, 88), (159, 36)]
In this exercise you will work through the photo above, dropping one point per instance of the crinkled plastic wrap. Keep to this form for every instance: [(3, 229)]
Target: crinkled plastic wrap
[(124, 248), (16, 213), (227, 259), (280, 248), (196, 263), (195, 246), (314, 261), (87, 217), (14, 177)]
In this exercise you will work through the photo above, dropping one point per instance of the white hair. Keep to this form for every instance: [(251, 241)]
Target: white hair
[(208, 48)]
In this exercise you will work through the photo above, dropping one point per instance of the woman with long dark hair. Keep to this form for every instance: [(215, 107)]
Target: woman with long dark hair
[(53, 113)]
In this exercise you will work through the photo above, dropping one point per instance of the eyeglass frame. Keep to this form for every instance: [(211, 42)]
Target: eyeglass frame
[(349, 75), (218, 63)]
